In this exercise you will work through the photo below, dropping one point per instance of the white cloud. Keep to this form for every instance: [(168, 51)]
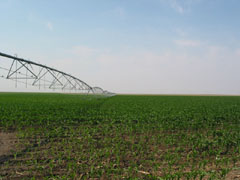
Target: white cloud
[(181, 6), (213, 71), (178, 7), (49, 25)]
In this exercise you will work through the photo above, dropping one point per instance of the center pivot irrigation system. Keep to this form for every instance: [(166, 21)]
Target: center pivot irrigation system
[(35, 74)]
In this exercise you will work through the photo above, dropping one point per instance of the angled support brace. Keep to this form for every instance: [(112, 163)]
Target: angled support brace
[(54, 76), (55, 80), (39, 78), (69, 82), (10, 68), (28, 69)]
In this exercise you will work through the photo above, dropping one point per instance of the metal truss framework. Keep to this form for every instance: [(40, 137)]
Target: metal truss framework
[(35, 74)]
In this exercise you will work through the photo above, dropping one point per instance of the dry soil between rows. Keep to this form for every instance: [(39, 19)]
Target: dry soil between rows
[(233, 175), (7, 143)]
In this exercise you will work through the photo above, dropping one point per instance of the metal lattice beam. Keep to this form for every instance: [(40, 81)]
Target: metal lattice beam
[(44, 76)]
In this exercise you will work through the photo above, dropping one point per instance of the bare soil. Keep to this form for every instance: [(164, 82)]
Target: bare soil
[(234, 175), (8, 140)]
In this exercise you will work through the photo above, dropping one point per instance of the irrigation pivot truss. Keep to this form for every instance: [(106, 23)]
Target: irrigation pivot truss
[(34, 74)]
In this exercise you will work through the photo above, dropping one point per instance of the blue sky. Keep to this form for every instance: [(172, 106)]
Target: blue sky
[(130, 46)]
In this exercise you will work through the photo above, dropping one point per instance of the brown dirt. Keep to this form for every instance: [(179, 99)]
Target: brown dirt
[(7, 143), (234, 175)]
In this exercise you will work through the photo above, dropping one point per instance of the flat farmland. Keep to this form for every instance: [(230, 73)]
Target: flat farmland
[(67, 136)]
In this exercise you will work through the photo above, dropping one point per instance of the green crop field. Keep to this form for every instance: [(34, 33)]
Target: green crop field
[(64, 136)]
